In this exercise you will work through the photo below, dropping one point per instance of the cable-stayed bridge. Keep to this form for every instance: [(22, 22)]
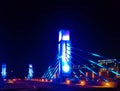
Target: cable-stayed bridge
[(73, 64), (73, 68)]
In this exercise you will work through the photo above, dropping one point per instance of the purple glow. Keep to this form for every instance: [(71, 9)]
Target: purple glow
[(66, 37), (30, 65)]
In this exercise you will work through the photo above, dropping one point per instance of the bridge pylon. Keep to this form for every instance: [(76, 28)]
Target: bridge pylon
[(64, 55)]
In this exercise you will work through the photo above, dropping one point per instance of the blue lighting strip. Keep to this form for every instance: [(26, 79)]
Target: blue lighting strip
[(71, 68), (52, 74), (76, 60), (93, 54), (73, 64), (91, 70), (48, 73), (83, 74), (75, 74), (96, 63), (79, 69), (114, 72), (77, 55), (96, 73), (44, 75)]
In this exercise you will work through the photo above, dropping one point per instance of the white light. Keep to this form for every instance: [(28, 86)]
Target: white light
[(66, 37), (60, 36), (30, 65), (65, 68)]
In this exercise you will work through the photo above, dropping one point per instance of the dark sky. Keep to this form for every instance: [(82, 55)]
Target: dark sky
[(29, 31)]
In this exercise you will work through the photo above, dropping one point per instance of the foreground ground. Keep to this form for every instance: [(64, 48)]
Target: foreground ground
[(23, 85)]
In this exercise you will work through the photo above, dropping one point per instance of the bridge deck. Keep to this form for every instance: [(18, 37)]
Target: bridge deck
[(43, 86)]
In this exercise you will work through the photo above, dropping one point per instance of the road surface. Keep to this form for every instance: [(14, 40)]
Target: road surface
[(23, 85)]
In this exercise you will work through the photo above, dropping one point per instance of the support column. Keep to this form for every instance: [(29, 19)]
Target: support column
[(64, 52), (4, 73)]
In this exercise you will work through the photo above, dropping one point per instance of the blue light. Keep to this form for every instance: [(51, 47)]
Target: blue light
[(30, 71), (83, 74), (95, 55), (4, 73), (115, 72), (96, 64), (60, 36), (75, 74), (104, 67), (55, 72), (52, 73), (91, 70), (64, 40), (66, 68)]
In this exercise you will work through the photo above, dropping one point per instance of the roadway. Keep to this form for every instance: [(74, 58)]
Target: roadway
[(26, 85)]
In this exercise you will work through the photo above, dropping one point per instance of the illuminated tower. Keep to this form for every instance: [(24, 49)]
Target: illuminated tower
[(30, 71), (4, 73), (64, 53)]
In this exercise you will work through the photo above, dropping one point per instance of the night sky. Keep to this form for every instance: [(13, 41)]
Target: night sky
[(29, 31)]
